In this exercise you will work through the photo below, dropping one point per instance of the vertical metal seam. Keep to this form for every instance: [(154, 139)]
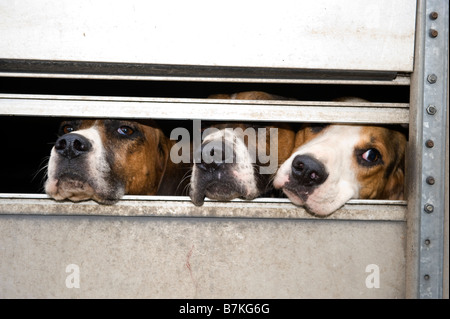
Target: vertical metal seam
[(433, 159), (414, 160)]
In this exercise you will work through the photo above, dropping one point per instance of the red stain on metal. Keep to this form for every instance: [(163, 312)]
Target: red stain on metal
[(189, 267), (188, 264)]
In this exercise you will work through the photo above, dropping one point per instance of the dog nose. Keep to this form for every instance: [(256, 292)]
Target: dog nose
[(72, 145), (215, 156), (210, 167), (308, 171)]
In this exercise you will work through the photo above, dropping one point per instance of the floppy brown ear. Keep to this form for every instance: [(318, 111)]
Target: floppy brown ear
[(163, 150), (300, 138), (286, 138), (394, 189), (395, 184)]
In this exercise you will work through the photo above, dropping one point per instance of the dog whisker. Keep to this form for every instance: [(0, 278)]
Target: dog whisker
[(186, 176)]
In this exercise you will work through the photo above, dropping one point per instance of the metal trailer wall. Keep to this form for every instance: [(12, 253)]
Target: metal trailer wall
[(160, 247), (428, 202)]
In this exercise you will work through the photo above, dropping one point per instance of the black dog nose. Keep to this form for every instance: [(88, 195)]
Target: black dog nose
[(72, 145), (308, 171)]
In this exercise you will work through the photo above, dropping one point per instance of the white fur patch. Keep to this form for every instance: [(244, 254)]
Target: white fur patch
[(334, 147), (242, 164), (97, 170)]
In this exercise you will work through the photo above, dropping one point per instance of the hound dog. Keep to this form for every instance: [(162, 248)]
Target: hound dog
[(238, 172), (331, 164), (103, 160)]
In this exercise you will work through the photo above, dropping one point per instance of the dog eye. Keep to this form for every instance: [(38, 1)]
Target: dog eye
[(125, 130), (371, 155), (67, 129)]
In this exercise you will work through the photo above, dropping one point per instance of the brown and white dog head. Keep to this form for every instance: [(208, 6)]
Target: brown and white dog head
[(331, 164), (104, 159), (243, 158)]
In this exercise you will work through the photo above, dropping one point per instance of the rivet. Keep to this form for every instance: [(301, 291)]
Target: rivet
[(427, 242), (432, 78), (433, 33), (426, 277), (434, 15), (429, 143), (430, 180), (431, 109), (428, 208)]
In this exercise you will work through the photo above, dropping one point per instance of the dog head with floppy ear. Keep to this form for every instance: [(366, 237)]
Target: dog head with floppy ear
[(334, 163), (243, 157), (106, 159)]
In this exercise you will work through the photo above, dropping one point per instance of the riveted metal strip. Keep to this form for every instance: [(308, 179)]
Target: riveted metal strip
[(434, 112)]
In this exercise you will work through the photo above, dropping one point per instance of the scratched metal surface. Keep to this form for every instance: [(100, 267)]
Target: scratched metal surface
[(155, 257), (321, 34)]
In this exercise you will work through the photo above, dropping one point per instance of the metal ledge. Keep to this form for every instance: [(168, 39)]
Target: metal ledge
[(204, 109), (168, 206), (157, 72)]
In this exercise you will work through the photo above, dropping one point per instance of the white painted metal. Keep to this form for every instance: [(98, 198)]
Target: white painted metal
[(208, 109), (321, 34)]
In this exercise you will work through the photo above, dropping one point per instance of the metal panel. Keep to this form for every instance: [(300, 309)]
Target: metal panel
[(180, 206), (208, 109), (241, 77), (265, 248), (322, 34), (152, 72), (153, 257), (428, 139)]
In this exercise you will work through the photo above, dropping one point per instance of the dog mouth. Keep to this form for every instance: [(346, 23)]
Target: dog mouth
[(222, 191), (71, 175), (301, 196), (218, 191), (318, 205), (300, 192), (76, 187), (70, 186)]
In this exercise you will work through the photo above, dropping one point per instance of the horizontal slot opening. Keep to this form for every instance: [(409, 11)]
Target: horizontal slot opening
[(199, 90), (30, 140), (31, 136)]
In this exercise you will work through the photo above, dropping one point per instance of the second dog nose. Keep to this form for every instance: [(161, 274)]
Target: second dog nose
[(308, 171), (215, 155), (72, 145)]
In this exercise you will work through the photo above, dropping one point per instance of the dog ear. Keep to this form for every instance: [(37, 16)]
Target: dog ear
[(286, 139), (163, 150), (394, 189), (300, 138)]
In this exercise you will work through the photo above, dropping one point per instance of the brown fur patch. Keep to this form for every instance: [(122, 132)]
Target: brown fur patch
[(383, 181), (137, 161)]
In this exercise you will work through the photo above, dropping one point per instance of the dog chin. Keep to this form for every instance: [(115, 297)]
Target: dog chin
[(323, 210), (293, 197), (316, 208), (223, 193), (77, 191)]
